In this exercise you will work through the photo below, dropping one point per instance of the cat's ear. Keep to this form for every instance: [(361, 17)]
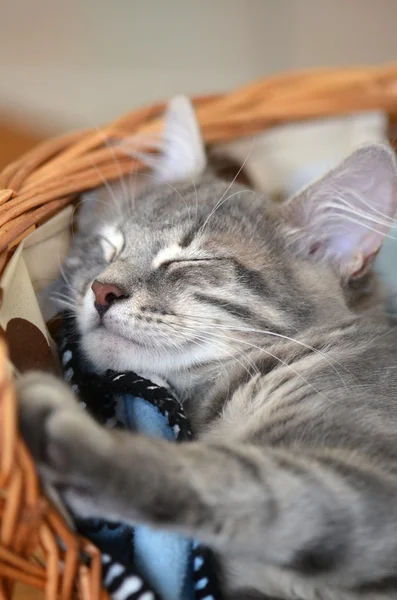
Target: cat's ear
[(183, 154), (344, 217)]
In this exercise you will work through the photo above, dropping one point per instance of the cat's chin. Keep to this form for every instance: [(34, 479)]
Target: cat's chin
[(106, 350)]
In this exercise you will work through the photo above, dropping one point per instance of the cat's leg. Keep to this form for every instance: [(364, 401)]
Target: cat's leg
[(321, 515)]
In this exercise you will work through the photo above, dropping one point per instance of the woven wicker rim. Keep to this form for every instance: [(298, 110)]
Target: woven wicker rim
[(40, 184)]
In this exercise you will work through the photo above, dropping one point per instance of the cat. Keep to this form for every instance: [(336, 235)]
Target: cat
[(242, 306)]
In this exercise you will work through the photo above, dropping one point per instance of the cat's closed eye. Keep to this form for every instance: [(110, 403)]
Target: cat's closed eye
[(192, 261)]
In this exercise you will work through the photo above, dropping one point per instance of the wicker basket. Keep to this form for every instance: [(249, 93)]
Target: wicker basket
[(33, 536)]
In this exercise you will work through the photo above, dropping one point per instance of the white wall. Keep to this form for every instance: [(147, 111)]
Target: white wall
[(73, 63)]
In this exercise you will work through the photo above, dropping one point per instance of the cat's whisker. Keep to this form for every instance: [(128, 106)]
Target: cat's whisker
[(84, 199), (221, 199), (266, 351), (290, 339), (210, 333), (63, 275), (158, 180), (300, 343), (133, 190), (218, 361), (360, 199), (61, 295), (151, 142), (361, 215), (64, 303), (343, 205), (197, 200), (219, 204), (140, 140), (112, 195), (110, 146), (217, 344), (183, 143), (337, 226), (280, 360), (64, 315), (221, 347)]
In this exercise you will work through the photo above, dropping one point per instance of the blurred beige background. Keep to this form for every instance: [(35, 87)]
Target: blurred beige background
[(77, 63)]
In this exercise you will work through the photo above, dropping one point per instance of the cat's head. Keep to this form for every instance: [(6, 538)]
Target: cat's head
[(195, 271)]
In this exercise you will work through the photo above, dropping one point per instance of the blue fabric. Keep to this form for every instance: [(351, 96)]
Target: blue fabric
[(162, 558), (146, 418)]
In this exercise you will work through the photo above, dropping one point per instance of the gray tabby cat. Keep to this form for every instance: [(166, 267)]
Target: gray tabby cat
[(245, 308)]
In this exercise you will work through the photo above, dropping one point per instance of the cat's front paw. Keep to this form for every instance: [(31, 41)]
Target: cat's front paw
[(70, 449), (41, 398)]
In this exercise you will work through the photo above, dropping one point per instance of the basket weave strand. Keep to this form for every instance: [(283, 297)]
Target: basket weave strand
[(33, 536)]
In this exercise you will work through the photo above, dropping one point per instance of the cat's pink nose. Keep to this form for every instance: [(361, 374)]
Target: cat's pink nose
[(105, 295)]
